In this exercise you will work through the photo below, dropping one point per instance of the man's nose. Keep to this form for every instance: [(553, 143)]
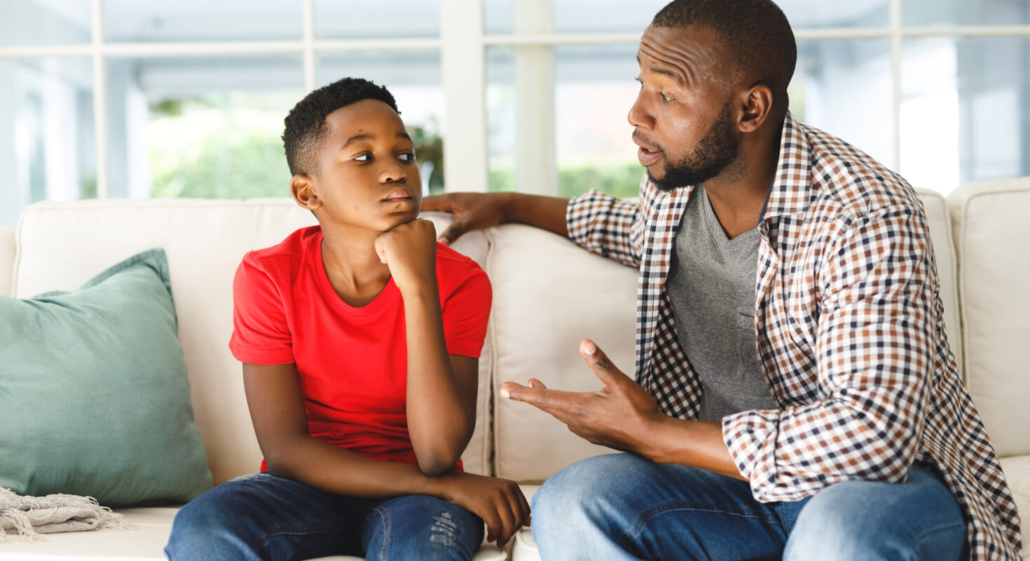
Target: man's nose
[(639, 114)]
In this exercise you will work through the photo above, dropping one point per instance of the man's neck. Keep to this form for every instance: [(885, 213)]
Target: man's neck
[(739, 193)]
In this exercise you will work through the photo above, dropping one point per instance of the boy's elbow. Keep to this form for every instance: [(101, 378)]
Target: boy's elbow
[(433, 465)]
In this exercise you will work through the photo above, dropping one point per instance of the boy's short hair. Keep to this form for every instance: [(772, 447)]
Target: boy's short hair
[(306, 128)]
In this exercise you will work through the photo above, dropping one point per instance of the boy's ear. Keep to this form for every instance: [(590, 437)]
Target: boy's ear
[(303, 190)]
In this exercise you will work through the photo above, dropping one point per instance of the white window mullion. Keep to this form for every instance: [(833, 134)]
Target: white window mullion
[(536, 167), (462, 62), (309, 45), (100, 98), (897, 42)]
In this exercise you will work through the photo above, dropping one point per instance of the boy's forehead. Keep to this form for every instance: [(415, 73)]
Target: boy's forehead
[(367, 116)]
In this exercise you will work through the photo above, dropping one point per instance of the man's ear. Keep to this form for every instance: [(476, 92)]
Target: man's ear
[(756, 105), (303, 189)]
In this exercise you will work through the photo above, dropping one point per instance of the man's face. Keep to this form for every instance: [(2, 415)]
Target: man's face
[(683, 119), (367, 174)]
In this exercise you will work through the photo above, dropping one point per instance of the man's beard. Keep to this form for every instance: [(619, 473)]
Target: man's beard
[(713, 154)]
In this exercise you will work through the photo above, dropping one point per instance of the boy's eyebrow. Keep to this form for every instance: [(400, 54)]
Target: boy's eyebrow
[(370, 136)]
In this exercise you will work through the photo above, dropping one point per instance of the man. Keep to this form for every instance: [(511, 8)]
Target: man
[(795, 393)]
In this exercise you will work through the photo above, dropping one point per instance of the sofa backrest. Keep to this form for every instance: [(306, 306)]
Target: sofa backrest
[(6, 259), (992, 234), (549, 294), (61, 245)]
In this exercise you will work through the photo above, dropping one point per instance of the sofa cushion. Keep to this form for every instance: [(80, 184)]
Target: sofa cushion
[(6, 259), (63, 244), (992, 236), (146, 543), (94, 398), (548, 295)]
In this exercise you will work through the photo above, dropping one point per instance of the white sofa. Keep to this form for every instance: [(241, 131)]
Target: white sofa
[(548, 294)]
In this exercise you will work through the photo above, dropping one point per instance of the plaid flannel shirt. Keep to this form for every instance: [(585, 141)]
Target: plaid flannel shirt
[(849, 331)]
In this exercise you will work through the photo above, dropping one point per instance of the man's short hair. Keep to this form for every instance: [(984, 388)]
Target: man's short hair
[(306, 128), (754, 35)]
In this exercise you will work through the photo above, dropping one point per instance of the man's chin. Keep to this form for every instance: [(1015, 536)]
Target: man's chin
[(660, 183)]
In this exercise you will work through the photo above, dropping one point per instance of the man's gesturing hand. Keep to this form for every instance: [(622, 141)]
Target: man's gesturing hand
[(618, 416)]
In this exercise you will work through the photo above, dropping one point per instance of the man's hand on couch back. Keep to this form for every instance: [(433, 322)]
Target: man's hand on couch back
[(479, 211)]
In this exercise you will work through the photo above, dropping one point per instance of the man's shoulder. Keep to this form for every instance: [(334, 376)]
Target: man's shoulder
[(852, 183)]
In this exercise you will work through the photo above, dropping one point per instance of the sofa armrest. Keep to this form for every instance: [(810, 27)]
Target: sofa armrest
[(6, 260)]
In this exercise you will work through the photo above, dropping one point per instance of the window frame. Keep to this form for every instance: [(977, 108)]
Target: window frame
[(462, 47)]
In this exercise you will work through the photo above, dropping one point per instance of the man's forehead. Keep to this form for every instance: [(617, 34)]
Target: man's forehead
[(678, 51)]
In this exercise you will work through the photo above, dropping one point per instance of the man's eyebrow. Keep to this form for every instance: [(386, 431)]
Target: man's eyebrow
[(674, 75)]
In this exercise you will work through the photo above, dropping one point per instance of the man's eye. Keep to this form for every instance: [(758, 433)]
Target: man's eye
[(665, 98), (639, 81)]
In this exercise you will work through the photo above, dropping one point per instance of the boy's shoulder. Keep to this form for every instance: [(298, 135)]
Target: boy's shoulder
[(285, 254), (455, 268)]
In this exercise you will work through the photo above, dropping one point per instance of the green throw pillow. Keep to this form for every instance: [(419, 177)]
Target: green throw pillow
[(94, 398)]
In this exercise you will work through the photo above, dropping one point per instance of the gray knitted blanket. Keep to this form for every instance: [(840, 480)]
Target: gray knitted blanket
[(24, 518)]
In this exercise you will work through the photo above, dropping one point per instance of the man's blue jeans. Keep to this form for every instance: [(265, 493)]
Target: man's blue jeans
[(266, 517), (622, 506)]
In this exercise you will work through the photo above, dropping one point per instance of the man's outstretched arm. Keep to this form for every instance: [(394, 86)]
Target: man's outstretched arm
[(479, 211), (599, 223)]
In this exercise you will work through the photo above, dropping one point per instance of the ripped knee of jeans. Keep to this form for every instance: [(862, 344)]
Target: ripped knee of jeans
[(444, 531)]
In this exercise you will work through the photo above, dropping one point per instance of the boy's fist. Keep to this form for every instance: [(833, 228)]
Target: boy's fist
[(410, 252)]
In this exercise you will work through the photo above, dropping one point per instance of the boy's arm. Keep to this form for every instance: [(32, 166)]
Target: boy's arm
[(277, 411), (441, 389)]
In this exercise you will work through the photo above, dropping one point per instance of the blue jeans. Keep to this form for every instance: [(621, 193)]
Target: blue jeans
[(261, 516), (622, 506)]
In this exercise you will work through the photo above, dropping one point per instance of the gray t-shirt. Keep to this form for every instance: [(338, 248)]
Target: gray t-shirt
[(711, 284)]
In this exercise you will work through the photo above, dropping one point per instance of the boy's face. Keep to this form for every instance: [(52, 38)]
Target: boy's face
[(367, 175)]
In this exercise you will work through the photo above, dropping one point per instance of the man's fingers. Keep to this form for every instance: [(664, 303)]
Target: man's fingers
[(453, 232), (599, 363), (554, 402), (438, 203), (536, 384)]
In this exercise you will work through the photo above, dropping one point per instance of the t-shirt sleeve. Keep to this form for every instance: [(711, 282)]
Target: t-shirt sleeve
[(467, 312), (260, 334)]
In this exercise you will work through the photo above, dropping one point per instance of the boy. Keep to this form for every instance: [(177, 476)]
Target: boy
[(360, 340)]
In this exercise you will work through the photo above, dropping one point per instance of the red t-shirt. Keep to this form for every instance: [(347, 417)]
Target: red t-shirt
[(352, 361)]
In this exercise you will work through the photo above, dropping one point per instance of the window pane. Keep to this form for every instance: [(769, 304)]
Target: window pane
[(413, 77), (845, 88), (200, 127), (203, 20), (586, 16), (47, 144), (45, 22), (966, 12), (380, 20), (964, 111), (574, 135)]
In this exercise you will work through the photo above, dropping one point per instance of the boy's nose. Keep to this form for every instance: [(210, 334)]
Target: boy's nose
[(392, 174)]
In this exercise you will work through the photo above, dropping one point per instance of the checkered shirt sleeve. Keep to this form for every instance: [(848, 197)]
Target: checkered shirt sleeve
[(607, 226)]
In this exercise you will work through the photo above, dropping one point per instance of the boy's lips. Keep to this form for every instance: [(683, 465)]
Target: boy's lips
[(398, 194)]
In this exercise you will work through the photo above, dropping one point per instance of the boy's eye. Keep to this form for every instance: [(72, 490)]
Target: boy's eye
[(364, 158), (407, 157)]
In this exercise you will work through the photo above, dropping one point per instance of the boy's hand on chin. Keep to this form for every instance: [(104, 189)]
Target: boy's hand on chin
[(410, 252)]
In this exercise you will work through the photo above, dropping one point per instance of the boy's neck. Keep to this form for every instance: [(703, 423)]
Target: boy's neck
[(352, 265)]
